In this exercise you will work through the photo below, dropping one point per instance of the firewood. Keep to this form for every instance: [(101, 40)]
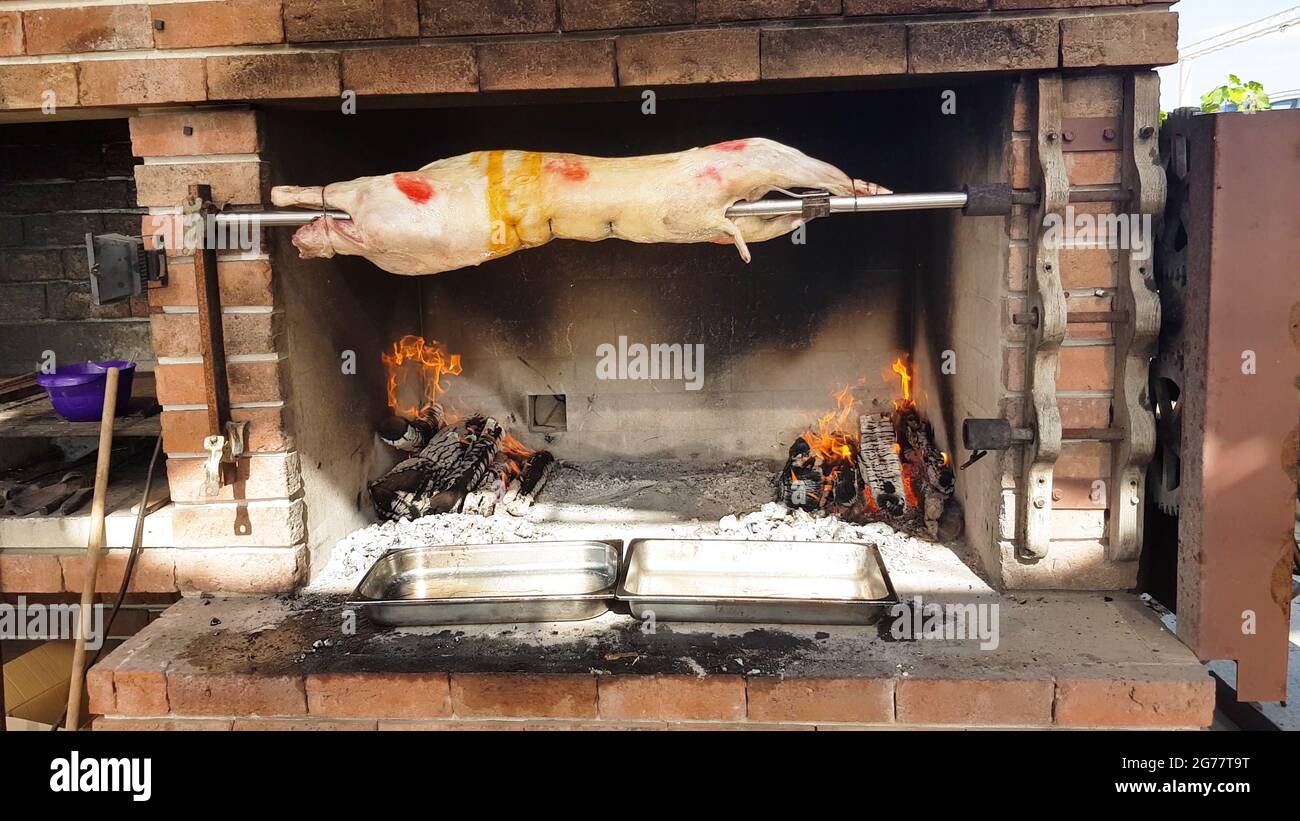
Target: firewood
[(523, 491)]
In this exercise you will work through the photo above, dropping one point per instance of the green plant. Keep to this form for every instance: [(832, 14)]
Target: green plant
[(1247, 97)]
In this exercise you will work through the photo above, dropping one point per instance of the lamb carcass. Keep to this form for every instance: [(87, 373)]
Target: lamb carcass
[(468, 209)]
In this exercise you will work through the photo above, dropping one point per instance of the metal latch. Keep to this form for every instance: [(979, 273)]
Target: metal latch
[(121, 267), (222, 451)]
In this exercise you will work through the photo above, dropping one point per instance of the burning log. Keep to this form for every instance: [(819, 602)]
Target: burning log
[(882, 472), (411, 435), (438, 478), (524, 489)]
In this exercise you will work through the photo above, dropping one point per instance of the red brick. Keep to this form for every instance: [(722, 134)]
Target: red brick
[(700, 56), (974, 702), (1086, 368), (243, 283), (1022, 168), (30, 572), (379, 695), (99, 687), (11, 33), (437, 69), (251, 524), (1063, 4), (668, 697), (235, 694), (855, 7), (281, 725), (454, 17), (454, 724), (155, 571), (1084, 460), (1018, 259), (310, 21), (273, 76), (866, 700), (834, 51), (1093, 95), (1084, 412), (1108, 702), (178, 334), (588, 15), (269, 476), (26, 86), (90, 28), (152, 725), (546, 64), (1022, 116), (1148, 39), (248, 382), (717, 11), (167, 184), (213, 132), (134, 82), (183, 431), (240, 570), (983, 45), (140, 693), (1088, 267), (231, 23), (517, 695), (1093, 167)]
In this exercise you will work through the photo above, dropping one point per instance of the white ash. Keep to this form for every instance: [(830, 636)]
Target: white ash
[(655, 499)]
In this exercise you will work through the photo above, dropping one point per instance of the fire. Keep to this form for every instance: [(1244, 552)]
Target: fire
[(905, 375), (828, 438), (415, 369)]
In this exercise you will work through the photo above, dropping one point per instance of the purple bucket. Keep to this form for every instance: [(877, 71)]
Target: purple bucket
[(77, 391)]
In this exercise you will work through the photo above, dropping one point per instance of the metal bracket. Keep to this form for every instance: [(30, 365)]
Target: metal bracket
[(1135, 339), (1092, 134), (121, 267), (223, 451), (1046, 302)]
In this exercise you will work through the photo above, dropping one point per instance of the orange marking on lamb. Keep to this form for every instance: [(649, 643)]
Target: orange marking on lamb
[(416, 188), (731, 145), (709, 173), (571, 170)]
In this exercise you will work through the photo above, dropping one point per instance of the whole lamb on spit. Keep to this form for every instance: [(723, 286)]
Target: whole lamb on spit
[(475, 207)]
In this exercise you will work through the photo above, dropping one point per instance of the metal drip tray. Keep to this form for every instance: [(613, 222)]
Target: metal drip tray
[(491, 583), (719, 580)]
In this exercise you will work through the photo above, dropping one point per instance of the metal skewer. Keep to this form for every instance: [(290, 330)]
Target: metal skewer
[(992, 200)]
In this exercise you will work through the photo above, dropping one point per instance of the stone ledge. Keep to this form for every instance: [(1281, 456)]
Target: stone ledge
[(267, 659)]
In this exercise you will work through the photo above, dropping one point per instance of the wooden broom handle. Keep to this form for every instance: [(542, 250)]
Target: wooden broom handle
[(93, 547)]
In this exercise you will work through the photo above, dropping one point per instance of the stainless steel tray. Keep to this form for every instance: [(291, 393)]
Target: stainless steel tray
[(721, 580), (491, 583)]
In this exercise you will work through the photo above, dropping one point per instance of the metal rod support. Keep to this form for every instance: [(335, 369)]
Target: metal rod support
[(758, 208)]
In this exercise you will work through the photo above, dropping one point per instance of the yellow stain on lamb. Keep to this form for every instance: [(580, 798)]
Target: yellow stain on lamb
[(512, 186)]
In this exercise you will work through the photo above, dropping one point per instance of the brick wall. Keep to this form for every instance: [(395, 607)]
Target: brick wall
[(151, 54), (59, 181), (250, 537)]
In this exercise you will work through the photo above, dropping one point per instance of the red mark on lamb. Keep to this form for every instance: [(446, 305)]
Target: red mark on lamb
[(571, 170), (731, 145), (416, 188), (709, 173)]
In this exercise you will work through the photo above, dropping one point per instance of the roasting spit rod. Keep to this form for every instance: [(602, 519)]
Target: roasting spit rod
[(991, 200)]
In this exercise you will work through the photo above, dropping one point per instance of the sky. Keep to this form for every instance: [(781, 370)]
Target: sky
[(1273, 59)]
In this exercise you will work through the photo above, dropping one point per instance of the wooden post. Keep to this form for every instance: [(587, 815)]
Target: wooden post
[(93, 547)]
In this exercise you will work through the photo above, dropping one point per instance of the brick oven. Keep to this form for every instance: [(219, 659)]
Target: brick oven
[(1053, 98)]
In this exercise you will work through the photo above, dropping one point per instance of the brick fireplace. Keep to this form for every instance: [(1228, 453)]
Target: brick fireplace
[(241, 96)]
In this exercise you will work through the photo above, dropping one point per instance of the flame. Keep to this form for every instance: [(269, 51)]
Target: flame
[(905, 375), (828, 438), (415, 369)]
